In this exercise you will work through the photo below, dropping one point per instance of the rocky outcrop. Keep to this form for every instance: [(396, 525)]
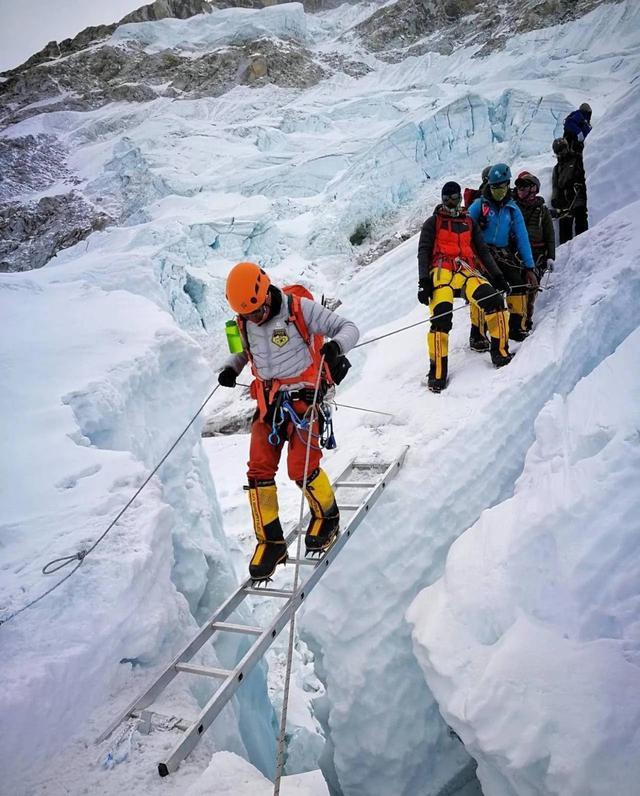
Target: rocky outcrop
[(31, 163), (413, 27), (30, 235), (404, 22), (96, 76), (161, 9)]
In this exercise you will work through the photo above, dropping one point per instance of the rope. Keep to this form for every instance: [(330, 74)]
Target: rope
[(432, 318), (362, 409), (287, 679), (59, 563)]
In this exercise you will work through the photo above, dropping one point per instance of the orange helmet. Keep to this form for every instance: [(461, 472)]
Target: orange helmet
[(247, 287)]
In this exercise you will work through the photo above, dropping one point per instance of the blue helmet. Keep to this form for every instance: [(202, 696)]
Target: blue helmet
[(499, 173)]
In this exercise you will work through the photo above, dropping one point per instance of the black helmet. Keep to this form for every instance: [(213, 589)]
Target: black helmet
[(560, 146), (451, 189), (485, 173), (585, 108)]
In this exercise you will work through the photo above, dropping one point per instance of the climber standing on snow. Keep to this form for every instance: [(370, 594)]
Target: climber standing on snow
[(577, 127), (452, 256), (569, 191), (539, 223), (500, 220), (282, 334)]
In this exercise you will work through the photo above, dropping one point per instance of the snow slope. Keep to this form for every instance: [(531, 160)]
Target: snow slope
[(530, 641), (108, 366)]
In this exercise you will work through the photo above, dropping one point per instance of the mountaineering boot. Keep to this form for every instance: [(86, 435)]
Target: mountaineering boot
[(477, 341), (271, 549), (325, 517), (498, 325), (436, 385), (438, 343), (518, 317)]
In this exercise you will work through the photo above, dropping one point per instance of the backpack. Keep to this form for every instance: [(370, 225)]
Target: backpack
[(470, 195), (331, 375), (314, 342)]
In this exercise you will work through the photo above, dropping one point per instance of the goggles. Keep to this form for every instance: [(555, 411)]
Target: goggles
[(526, 187)]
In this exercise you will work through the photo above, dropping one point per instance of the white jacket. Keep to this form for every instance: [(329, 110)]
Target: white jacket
[(279, 351)]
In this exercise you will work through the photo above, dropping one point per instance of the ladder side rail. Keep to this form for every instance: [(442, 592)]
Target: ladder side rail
[(205, 633), (256, 652), (351, 526), (161, 682), (224, 693)]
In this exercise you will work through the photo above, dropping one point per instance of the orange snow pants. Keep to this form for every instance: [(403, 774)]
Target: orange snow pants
[(265, 457)]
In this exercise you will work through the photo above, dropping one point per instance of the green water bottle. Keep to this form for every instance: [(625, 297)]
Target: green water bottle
[(233, 337)]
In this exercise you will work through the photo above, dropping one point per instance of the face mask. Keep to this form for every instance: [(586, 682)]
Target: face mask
[(452, 203), (499, 192)]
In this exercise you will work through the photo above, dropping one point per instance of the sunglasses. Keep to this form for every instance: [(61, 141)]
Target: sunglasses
[(452, 197), (526, 186), (500, 186)]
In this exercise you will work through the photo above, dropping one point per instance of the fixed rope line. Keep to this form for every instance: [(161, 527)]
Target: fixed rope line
[(287, 679), (335, 403), (433, 317), (362, 409), (59, 563)]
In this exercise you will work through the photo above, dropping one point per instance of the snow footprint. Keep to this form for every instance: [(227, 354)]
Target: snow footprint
[(70, 481)]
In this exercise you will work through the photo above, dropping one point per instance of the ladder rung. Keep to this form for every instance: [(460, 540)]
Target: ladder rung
[(268, 592), (205, 671), (310, 562), (355, 484), (230, 628), (350, 506)]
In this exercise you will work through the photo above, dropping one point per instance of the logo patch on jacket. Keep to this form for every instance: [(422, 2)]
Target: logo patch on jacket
[(280, 337)]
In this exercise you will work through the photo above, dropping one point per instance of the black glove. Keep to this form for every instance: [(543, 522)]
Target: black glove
[(425, 288), (531, 279), (331, 352), (227, 377), (500, 283)]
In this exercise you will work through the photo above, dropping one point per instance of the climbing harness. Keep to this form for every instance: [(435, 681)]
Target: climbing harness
[(283, 409)]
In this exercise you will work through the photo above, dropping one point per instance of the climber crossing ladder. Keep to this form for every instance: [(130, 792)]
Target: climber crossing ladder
[(357, 489)]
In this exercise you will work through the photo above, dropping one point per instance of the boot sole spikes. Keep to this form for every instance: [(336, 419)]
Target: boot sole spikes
[(317, 551)]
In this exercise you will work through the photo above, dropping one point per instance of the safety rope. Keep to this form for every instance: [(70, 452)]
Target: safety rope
[(435, 317), (311, 411), (59, 563)]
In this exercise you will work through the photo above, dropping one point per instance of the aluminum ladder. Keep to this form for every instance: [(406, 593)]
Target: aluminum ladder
[(366, 480)]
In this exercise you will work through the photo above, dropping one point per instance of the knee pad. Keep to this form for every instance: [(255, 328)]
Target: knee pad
[(488, 298), (445, 323)]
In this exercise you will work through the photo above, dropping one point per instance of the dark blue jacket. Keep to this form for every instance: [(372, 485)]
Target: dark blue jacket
[(499, 223), (576, 126)]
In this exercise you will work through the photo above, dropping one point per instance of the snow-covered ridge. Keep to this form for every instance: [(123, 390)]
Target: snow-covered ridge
[(205, 32), (535, 618)]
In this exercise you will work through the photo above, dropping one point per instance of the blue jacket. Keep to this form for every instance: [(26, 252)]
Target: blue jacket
[(500, 222), (576, 126)]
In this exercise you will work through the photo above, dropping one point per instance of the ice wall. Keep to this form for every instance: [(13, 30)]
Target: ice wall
[(529, 642), (99, 381)]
